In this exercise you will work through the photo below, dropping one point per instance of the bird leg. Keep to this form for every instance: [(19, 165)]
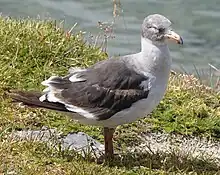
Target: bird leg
[(108, 135)]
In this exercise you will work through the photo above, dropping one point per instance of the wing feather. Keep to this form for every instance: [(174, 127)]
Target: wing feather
[(99, 91)]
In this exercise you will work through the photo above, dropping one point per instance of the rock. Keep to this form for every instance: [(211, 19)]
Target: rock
[(194, 147), (79, 142), (83, 143)]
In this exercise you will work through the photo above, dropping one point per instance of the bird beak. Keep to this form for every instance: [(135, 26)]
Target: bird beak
[(171, 35)]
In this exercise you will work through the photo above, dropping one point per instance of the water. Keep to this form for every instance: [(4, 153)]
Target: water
[(197, 21)]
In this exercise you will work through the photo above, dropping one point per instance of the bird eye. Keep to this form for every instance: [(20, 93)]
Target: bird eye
[(161, 30)]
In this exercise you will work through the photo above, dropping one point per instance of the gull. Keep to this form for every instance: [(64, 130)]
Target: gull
[(114, 91)]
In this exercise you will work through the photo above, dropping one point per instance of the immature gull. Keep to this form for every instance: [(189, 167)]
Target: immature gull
[(114, 91)]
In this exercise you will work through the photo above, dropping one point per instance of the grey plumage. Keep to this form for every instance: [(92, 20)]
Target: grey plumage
[(117, 90), (101, 94)]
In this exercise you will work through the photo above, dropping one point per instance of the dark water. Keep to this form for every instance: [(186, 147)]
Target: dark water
[(198, 21)]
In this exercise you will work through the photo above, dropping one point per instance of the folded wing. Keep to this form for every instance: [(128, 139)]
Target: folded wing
[(99, 91)]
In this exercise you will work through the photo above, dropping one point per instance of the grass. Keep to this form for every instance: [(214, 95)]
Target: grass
[(33, 50), (188, 108)]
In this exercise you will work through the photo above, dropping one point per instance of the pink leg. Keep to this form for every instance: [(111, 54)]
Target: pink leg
[(108, 135)]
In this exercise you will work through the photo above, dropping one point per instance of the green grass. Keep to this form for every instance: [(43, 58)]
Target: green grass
[(188, 108), (31, 51)]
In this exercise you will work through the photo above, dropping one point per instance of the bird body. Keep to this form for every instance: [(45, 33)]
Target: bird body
[(157, 70), (114, 91)]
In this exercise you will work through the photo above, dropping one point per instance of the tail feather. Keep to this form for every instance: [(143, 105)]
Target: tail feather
[(31, 99)]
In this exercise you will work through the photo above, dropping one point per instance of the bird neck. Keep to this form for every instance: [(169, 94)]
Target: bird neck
[(147, 45), (155, 58)]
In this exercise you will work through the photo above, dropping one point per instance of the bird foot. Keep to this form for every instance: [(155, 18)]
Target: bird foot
[(105, 158)]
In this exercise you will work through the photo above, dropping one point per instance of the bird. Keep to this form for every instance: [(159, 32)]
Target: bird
[(113, 91)]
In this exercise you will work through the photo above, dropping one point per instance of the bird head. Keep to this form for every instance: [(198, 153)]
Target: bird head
[(157, 29)]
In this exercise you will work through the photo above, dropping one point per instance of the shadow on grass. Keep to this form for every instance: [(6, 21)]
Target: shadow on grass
[(168, 162), (165, 161)]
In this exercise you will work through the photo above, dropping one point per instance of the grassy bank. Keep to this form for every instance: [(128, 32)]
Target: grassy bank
[(32, 51)]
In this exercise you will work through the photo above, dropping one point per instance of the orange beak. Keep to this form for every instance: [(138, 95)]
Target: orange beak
[(171, 35)]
